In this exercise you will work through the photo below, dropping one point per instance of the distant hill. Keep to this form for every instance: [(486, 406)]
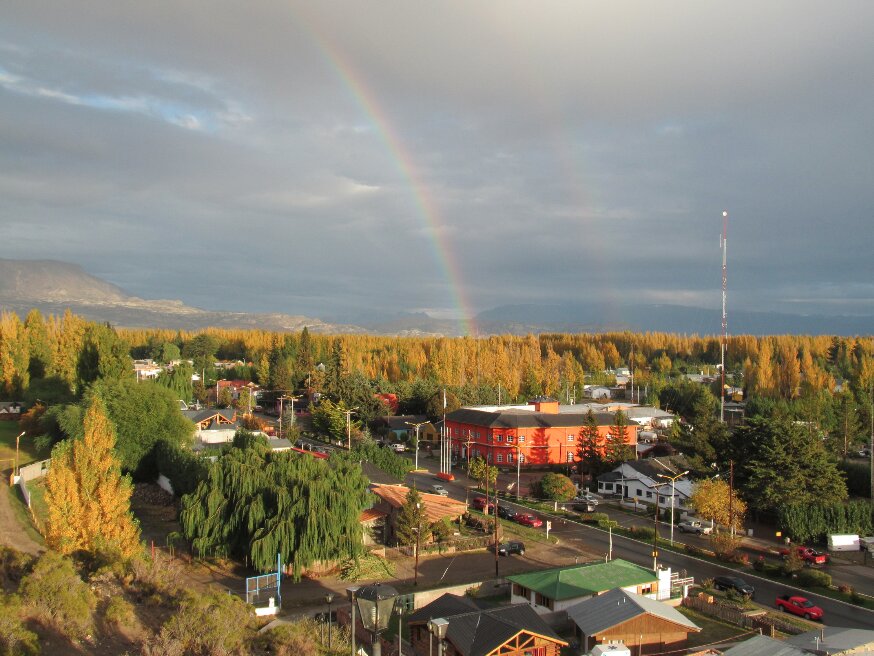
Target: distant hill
[(52, 287)]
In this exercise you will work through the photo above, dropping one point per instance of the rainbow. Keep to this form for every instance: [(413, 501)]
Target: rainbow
[(424, 200)]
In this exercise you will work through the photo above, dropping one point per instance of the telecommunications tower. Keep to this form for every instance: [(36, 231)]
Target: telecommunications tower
[(723, 244)]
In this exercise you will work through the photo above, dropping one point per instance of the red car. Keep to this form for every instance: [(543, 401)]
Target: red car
[(800, 606), (480, 503), (527, 519), (808, 555)]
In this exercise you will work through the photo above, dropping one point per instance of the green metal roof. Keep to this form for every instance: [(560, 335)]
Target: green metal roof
[(584, 580)]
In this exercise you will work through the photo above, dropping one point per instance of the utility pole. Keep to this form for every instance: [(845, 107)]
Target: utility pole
[(673, 480), (416, 426), (731, 497), (348, 414)]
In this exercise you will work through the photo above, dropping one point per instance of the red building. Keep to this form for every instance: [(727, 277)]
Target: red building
[(541, 433)]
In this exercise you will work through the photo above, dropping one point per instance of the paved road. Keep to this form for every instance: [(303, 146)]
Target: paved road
[(588, 539)]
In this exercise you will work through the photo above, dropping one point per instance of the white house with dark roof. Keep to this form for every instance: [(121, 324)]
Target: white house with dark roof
[(645, 481)]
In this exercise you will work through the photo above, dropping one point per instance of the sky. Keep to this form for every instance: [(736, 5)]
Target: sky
[(334, 158)]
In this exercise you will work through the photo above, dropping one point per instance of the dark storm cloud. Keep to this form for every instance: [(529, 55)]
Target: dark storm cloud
[(564, 151)]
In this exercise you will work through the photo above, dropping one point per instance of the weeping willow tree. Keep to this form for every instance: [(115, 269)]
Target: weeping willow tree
[(258, 503)]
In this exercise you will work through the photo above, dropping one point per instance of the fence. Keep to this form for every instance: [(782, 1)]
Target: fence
[(24, 491), (761, 621), (449, 546), (34, 470)]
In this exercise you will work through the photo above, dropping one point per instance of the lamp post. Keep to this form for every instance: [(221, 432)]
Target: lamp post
[(328, 599), (438, 628), (375, 605), (416, 426), (350, 592), (15, 468), (673, 480)]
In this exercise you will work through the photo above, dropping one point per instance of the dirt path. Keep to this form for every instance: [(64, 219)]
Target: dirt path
[(12, 533)]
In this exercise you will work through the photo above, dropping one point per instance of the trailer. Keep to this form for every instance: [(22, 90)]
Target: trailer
[(843, 543)]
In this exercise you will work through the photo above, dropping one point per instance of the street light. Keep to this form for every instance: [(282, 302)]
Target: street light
[(673, 480), (350, 593), (375, 604), (438, 628), (328, 599), (416, 426)]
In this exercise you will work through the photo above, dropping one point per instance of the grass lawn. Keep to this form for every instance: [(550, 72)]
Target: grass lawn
[(37, 489), (22, 514), (27, 452), (712, 629)]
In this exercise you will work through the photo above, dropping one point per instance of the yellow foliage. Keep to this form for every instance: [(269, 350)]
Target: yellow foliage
[(88, 499)]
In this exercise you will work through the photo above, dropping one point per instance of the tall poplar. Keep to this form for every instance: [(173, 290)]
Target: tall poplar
[(87, 498)]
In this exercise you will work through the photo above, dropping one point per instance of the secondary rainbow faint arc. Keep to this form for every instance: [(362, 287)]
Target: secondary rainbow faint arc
[(423, 198)]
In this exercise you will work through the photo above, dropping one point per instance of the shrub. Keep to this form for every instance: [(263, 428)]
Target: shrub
[(594, 518), (845, 588), (211, 622), (119, 611), (15, 638), (759, 564), (55, 591), (814, 577), (692, 550), (856, 598), (642, 533)]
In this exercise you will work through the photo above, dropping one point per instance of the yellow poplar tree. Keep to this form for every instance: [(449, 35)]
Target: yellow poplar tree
[(87, 497)]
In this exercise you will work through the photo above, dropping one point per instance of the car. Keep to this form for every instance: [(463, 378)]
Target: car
[(584, 506), (482, 504), (400, 448), (694, 526), (439, 489), (808, 555), (505, 512), (587, 496), (527, 519), (512, 547), (800, 606), (734, 583)]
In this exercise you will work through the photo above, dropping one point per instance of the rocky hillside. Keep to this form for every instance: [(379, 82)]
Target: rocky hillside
[(53, 287)]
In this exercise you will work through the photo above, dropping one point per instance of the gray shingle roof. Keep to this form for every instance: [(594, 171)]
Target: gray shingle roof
[(477, 632), (834, 640), (616, 607), (763, 646), (514, 418)]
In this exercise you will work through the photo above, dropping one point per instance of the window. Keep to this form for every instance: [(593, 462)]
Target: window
[(521, 439), (571, 438), (570, 457), (500, 457), (510, 457), (521, 457), (645, 589), (639, 492), (500, 438), (662, 499), (649, 495), (608, 486), (509, 439)]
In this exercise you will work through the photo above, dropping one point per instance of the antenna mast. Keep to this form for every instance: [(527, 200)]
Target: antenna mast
[(724, 241)]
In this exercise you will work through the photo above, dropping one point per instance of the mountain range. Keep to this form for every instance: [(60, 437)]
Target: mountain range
[(52, 287)]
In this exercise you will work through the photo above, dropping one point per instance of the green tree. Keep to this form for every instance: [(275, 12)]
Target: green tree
[(483, 472), (39, 346), (590, 447), (557, 487), (616, 447), (169, 353), (143, 414), (178, 379), (330, 419), (257, 504), (201, 351), (781, 463), (412, 519), (104, 355)]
